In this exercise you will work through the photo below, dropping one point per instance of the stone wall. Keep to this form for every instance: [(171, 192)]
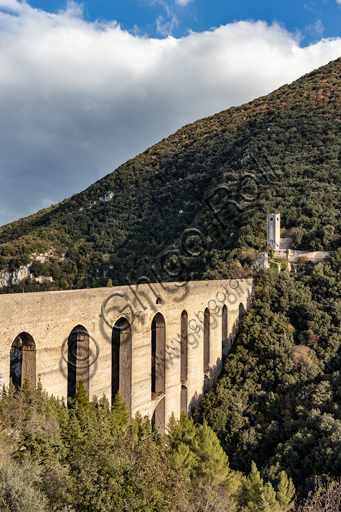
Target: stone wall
[(315, 256), (49, 317), (292, 255)]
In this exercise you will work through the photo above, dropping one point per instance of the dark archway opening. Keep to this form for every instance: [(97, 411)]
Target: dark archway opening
[(206, 340), (158, 300), (184, 361), (121, 361), (23, 360), (78, 359), (225, 341), (158, 371), (241, 312)]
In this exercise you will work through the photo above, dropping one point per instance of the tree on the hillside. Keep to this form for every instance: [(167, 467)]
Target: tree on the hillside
[(212, 462), (259, 497), (80, 400), (180, 435), (119, 411)]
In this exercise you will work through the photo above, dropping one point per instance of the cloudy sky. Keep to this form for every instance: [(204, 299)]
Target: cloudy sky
[(84, 87)]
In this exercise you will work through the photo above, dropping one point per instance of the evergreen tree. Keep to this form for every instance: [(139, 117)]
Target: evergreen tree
[(212, 462), (286, 492), (26, 388), (259, 497), (180, 438), (81, 399), (119, 411), (38, 399), (72, 434)]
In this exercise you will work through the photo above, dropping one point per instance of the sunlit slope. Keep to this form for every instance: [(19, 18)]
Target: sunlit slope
[(141, 209)]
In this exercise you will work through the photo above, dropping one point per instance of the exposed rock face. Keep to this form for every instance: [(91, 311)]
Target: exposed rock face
[(44, 279), (10, 278)]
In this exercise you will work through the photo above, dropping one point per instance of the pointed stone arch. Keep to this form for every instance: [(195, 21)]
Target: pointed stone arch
[(121, 361), (184, 362), (224, 331), (241, 312), (206, 340), (78, 359), (158, 371), (23, 360)]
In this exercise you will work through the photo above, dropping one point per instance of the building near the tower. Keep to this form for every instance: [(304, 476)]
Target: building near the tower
[(262, 261)]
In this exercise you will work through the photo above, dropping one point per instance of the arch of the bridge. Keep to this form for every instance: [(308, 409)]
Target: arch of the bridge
[(207, 316), (241, 311), (121, 361), (224, 329), (184, 361), (23, 358), (78, 359), (158, 370)]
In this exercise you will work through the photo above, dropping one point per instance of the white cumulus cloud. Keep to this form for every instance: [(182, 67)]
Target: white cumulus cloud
[(77, 99)]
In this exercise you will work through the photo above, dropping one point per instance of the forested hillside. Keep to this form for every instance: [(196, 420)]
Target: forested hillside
[(290, 142), (278, 401)]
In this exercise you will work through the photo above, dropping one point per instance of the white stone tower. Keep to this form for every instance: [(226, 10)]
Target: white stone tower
[(274, 226)]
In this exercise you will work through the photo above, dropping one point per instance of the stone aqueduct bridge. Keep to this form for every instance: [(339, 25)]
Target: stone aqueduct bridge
[(160, 344)]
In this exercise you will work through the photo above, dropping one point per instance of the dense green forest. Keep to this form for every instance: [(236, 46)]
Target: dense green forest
[(280, 152), (88, 458), (278, 401)]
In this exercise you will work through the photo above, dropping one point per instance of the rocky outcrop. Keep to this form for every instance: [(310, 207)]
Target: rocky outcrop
[(44, 279), (10, 278)]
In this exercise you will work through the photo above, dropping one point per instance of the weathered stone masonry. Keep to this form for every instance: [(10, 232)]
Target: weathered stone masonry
[(164, 352)]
